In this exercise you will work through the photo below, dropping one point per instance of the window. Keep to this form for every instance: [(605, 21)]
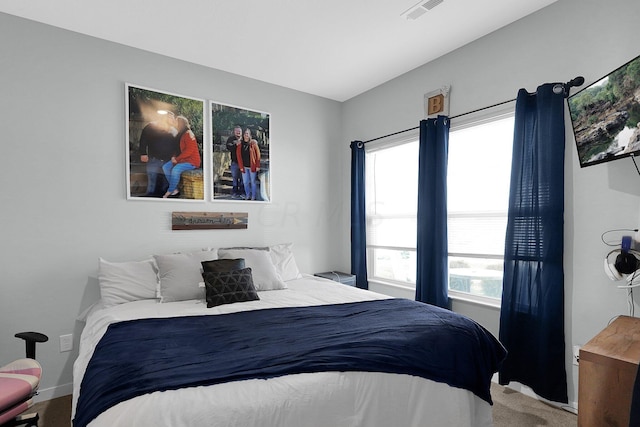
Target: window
[(392, 202), (479, 175), (479, 168)]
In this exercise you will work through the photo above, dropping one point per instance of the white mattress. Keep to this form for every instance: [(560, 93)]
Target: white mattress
[(328, 399)]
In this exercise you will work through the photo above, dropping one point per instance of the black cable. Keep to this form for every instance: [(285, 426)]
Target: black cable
[(635, 230), (630, 301)]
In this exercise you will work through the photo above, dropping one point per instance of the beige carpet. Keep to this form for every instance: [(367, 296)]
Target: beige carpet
[(513, 409), (510, 409)]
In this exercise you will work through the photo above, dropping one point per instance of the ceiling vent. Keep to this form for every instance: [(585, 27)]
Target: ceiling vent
[(417, 10)]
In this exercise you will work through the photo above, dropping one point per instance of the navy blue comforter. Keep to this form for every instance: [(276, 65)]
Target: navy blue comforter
[(395, 336)]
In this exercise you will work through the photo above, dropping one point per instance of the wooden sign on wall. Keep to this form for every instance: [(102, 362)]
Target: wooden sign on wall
[(209, 220), (436, 103)]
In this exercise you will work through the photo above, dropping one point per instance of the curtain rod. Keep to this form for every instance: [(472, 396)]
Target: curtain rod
[(450, 118), (578, 81)]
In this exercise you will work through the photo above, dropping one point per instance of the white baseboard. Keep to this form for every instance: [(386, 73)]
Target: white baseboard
[(53, 392)]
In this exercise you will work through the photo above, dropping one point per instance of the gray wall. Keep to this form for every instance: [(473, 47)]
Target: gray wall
[(564, 40), (63, 178)]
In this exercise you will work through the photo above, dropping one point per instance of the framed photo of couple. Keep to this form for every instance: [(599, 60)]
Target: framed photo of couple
[(170, 155), (240, 142)]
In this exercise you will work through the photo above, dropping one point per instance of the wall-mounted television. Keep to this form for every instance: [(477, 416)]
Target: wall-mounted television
[(606, 115)]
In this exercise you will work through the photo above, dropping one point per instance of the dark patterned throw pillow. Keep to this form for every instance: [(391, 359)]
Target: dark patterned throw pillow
[(229, 287)]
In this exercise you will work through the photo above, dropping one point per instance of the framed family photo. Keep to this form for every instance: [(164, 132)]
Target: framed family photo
[(164, 145), (241, 149)]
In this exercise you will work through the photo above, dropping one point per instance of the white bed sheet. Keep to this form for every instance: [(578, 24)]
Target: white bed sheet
[(327, 399)]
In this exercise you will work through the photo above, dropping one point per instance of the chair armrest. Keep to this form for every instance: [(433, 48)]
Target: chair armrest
[(31, 338)]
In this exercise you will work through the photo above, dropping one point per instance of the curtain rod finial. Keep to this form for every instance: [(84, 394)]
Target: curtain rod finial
[(578, 81)]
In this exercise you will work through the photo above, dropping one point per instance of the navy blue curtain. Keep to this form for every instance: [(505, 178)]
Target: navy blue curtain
[(532, 312), (431, 248), (358, 216)]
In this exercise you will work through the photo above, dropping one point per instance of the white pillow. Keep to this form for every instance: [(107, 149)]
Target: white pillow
[(265, 276), (181, 275), (122, 282), (284, 262)]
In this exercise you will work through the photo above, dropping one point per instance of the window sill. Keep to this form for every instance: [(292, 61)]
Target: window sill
[(475, 299), (392, 289), (396, 288)]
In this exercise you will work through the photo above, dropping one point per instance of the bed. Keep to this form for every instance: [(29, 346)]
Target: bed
[(294, 350)]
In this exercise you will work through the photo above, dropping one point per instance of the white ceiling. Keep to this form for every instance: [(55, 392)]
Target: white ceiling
[(332, 48)]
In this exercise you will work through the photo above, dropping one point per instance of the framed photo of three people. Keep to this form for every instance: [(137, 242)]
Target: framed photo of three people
[(170, 156)]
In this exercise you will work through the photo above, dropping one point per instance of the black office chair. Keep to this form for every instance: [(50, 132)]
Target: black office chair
[(19, 382)]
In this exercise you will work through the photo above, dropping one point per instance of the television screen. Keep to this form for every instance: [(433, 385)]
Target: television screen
[(606, 116)]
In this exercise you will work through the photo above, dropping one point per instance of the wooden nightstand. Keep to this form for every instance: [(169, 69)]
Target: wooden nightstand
[(336, 276), (607, 372)]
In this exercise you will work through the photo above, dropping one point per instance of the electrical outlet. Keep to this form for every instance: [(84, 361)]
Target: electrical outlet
[(66, 342), (576, 354)]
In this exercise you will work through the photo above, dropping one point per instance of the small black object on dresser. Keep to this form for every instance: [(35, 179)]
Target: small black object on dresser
[(336, 276)]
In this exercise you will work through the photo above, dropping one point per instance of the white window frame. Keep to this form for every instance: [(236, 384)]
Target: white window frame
[(470, 120), (381, 144)]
